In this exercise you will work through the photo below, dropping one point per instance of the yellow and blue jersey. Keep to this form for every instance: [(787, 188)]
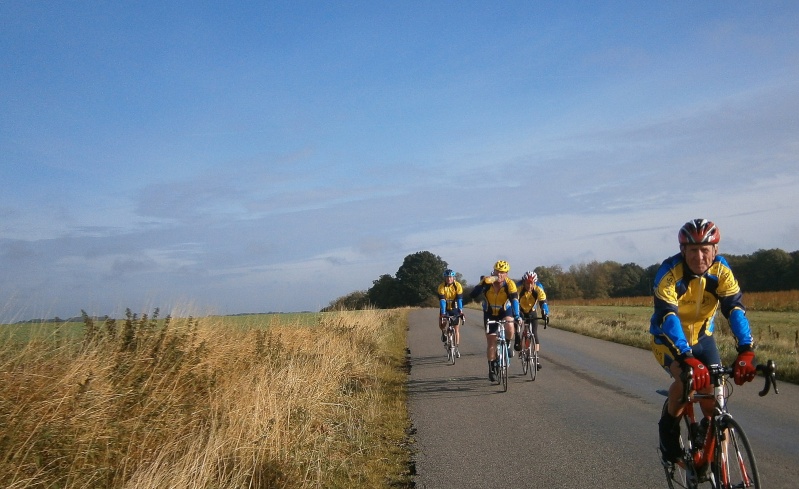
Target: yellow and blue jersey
[(528, 298), (686, 304), (499, 301), (450, 297)]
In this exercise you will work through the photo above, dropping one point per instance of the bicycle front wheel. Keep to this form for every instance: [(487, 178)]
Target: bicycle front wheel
[(734, 464), (682, 475), (533, 364)]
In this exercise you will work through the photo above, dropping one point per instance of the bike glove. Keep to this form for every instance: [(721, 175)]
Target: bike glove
[(546, 320), (701, 374), (744, 368)]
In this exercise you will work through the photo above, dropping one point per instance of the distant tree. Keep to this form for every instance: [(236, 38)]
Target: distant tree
[(626, 281), (418, 277), (352, 301), (385, 293), (793, 273), (557, 283), (593, 278), (769, 270)]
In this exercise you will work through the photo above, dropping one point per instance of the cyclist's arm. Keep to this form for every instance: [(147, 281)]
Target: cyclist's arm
[(665, 323), (442, 299), (669, 327), (477, 290), (732, 307), (544, 306)]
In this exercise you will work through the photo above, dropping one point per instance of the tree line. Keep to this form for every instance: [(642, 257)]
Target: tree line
[(417, 279)]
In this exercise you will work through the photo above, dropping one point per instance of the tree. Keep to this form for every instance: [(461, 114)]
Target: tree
[(626, 281), (350, 302), (593, 278), (385, 293), (418, 277)]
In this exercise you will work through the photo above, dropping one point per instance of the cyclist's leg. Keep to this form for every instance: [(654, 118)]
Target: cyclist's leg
[(534, 329), (442, 325), (509, 337), (491, 347), (537, 345), (669, 424)]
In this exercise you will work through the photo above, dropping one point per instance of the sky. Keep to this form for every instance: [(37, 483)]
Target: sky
[(236, 157)]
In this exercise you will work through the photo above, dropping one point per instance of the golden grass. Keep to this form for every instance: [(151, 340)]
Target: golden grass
[(782, 301), (776, 334), (197, 404)]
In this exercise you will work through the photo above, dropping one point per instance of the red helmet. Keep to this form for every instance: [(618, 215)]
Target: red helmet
[(699, 231), (530, 277)]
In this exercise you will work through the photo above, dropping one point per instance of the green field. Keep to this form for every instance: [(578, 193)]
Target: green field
[(776, 333)]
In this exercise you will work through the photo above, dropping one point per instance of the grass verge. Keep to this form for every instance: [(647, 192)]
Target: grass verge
[(776, 333), (265, 402)]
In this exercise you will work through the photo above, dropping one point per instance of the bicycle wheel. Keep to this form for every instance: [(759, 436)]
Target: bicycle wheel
[(451, 348), (681, 475), (524, 358), (533, 364), (734, 464)]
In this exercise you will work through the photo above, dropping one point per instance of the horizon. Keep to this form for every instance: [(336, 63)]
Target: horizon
[(224, 158)]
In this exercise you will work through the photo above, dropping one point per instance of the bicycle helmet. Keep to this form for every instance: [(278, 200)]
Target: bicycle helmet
[(699, 231), (448, 273), (502, 266), (530, 277)]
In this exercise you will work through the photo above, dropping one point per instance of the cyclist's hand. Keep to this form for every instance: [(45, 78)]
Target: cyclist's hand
[(546, 320), (701, 375), (744, 368)]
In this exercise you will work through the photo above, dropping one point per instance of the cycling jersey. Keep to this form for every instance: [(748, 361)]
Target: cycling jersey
[(450, 297), (686, 304), (528, 298), (498, 302)]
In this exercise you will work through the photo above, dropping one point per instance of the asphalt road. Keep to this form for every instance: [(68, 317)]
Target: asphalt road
[(588, 420)]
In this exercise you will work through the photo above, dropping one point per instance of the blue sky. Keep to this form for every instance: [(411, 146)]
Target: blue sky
[(272, 156)]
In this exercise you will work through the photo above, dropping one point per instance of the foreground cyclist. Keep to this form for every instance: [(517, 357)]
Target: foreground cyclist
[(532, 293), (690, 287), (500, 301), (450, 299)]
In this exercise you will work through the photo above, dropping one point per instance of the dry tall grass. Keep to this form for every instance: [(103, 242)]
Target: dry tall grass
[(164, 404)]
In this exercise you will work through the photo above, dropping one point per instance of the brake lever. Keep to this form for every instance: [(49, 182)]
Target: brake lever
[(769, 372)]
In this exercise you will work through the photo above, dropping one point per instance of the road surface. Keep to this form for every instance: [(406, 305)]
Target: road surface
[(588, 420)]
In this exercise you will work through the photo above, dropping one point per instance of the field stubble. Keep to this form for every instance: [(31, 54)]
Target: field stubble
[(254, 402), (772, 315)]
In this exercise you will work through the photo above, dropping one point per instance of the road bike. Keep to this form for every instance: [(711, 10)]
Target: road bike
[(529, 355), (503, 354), (715, 450), (449, 331)]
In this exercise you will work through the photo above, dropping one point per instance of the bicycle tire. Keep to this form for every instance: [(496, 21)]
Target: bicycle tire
[(524, 358), (734, 464), (451, 348), (533, 365), (682, 475)]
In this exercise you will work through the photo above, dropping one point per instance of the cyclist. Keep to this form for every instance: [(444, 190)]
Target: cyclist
[(450, 299), (531, 292), (500, 301), (690, 287)]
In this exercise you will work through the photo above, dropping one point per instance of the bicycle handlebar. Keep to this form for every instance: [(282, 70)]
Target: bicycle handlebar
[(499, 322), (770, 373), (542, 318), (769, 370)]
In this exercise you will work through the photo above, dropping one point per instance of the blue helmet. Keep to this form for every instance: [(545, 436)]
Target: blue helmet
[(448, 273)]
